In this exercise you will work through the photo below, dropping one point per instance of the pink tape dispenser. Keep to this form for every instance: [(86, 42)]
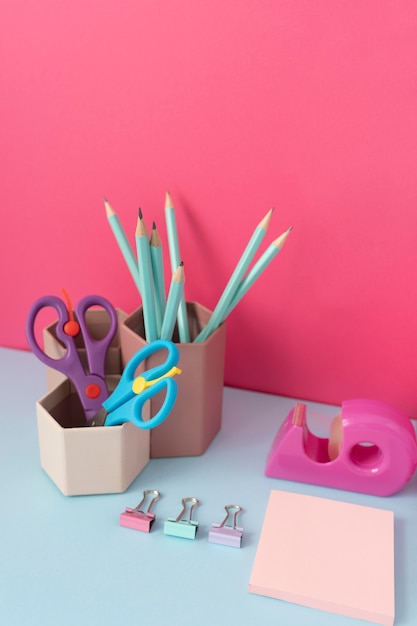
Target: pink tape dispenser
[(372, 448)]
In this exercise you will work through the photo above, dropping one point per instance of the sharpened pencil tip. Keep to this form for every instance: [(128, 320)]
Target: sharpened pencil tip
[(140, 215), (141, 229), (109, 210), (168, 201), (155, 240), (279, 242), (178, 275), (264, 223)]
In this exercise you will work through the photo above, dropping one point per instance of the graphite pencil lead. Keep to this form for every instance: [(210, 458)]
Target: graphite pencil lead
[(141, 223), (178, 275), (155, 240)]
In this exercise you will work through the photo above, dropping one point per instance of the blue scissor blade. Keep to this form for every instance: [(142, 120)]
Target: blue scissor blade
[(122, 394)]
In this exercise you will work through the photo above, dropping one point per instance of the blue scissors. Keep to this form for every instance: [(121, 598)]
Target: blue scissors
[(90, 386), (127, 401)]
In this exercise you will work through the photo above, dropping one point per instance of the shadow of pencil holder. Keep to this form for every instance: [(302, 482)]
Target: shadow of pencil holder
[(196, 416)]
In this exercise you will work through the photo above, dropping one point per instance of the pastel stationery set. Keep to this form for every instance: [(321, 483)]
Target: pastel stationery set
[(166, 400)]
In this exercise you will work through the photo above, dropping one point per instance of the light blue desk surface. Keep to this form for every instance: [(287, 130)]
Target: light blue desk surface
[(66, 560)]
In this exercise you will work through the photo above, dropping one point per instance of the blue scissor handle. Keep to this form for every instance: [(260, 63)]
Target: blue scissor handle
[(125, 405)]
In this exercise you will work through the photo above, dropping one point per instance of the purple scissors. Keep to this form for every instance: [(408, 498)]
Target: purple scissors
[(90, 386)]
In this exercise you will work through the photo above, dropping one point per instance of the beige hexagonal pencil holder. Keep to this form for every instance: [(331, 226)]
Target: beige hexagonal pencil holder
[(83, 459)]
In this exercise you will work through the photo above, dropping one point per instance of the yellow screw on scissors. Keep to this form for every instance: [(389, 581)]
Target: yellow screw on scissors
[(140, 384)]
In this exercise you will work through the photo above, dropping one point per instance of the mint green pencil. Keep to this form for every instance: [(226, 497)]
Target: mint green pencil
[(176, 290), (228, 294), (158, 276), (174, 253), (259, 267), (123, 243), (146, 280)]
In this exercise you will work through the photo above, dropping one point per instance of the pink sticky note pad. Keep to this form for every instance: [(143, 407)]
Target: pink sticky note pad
[(327, 555)]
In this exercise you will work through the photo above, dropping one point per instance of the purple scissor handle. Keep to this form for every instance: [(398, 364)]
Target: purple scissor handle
[(90, 386)]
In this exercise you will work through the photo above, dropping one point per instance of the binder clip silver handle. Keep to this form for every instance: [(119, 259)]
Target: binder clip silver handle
[(194, 503), (229, 508), (227, 533), (148, 492)]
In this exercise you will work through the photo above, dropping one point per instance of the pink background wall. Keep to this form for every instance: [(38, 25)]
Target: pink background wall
[(310, 106)]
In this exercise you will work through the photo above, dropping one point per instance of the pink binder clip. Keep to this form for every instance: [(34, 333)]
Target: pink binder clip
[(372, 448), (138, 519), (227, 533)]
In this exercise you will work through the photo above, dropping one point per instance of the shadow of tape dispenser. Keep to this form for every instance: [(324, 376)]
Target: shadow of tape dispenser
[(372, 448)]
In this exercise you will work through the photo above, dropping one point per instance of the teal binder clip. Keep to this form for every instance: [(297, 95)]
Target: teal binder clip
[(183, 527)]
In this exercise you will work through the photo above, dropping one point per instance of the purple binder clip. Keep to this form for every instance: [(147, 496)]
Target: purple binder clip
[(138, 519), (227, 534)]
